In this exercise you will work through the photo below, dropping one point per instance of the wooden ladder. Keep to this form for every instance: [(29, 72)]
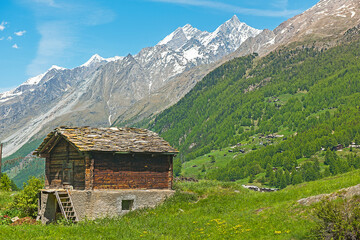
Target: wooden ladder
[(66, 206)]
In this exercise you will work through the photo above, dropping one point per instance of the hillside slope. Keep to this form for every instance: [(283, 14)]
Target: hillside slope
[(243, 92)]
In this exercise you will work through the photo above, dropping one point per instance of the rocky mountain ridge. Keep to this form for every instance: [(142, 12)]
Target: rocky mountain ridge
[(322, 26), (100, 90)]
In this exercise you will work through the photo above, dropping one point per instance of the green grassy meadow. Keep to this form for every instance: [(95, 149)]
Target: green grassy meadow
[(203, 210)]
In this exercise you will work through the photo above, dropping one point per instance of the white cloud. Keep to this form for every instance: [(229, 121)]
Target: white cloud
[(50, 3), (56, 38), (60, 27), (282, 4), (233, 8), (2, 25), (15, 46), (20, 33), (9, 38), (2, 38)]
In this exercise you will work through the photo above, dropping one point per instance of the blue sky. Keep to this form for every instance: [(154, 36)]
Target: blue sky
[(36, 34)]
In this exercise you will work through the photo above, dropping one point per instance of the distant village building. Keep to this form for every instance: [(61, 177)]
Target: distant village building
[(353, 145), (337, 147), (98, 172)]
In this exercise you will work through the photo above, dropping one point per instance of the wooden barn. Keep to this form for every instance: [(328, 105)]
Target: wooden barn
[(84, 164)]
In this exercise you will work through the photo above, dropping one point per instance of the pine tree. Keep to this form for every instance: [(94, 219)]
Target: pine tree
[(287, 177), (252, 178), (327, 172), (290, 162), (278, 176), (262, 180), (269, 171), (272, 180), (334, 167), (357, 139), (316, 165), (328, 157), (296, 178), (282, 181), (177, 167), (335, 156)]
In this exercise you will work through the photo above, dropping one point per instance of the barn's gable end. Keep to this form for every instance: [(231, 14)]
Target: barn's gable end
[(64, 165)]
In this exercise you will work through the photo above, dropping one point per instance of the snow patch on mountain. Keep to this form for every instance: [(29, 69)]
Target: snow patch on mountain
[(192, 53), (113, 59), (6, 96)]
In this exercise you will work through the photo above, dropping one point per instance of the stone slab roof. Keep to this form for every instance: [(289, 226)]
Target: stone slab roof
[(124, 140)]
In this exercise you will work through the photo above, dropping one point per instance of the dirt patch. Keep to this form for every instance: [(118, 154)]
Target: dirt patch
[(260, 210), (185, 179), (25, 220)]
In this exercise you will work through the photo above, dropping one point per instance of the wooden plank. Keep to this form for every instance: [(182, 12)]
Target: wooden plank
[(87, 172), (48, 144)]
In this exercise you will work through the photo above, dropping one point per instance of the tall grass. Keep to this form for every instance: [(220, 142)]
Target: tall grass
[(204, 210)]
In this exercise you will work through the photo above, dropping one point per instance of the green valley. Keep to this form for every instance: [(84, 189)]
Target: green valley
[(281, 110)]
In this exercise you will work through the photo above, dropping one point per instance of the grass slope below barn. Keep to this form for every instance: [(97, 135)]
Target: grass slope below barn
[(204, 210)]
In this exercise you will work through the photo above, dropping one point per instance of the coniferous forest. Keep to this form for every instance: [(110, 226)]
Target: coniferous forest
[(241, 100)]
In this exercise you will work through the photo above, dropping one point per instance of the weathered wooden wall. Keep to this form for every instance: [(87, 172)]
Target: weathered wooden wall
[(62, 153), (139, 171)]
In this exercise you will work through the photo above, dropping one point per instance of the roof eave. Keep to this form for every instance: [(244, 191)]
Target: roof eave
[(161, 153)]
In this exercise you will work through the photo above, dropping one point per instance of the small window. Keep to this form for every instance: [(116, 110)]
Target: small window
[(127, 204)]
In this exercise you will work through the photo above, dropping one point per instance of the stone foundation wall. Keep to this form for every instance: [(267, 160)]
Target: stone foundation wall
[(103, 203)]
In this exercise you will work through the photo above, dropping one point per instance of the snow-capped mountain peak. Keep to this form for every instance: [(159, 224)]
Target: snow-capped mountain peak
[(96, 58), (56, 68), (234, 19), (232, 33), (190, 31), (35, 80), (180, 36)]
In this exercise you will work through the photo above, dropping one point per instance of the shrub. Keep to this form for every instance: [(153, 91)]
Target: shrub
[(5, 182), (27, 200), (338, 219), (177, 167)]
